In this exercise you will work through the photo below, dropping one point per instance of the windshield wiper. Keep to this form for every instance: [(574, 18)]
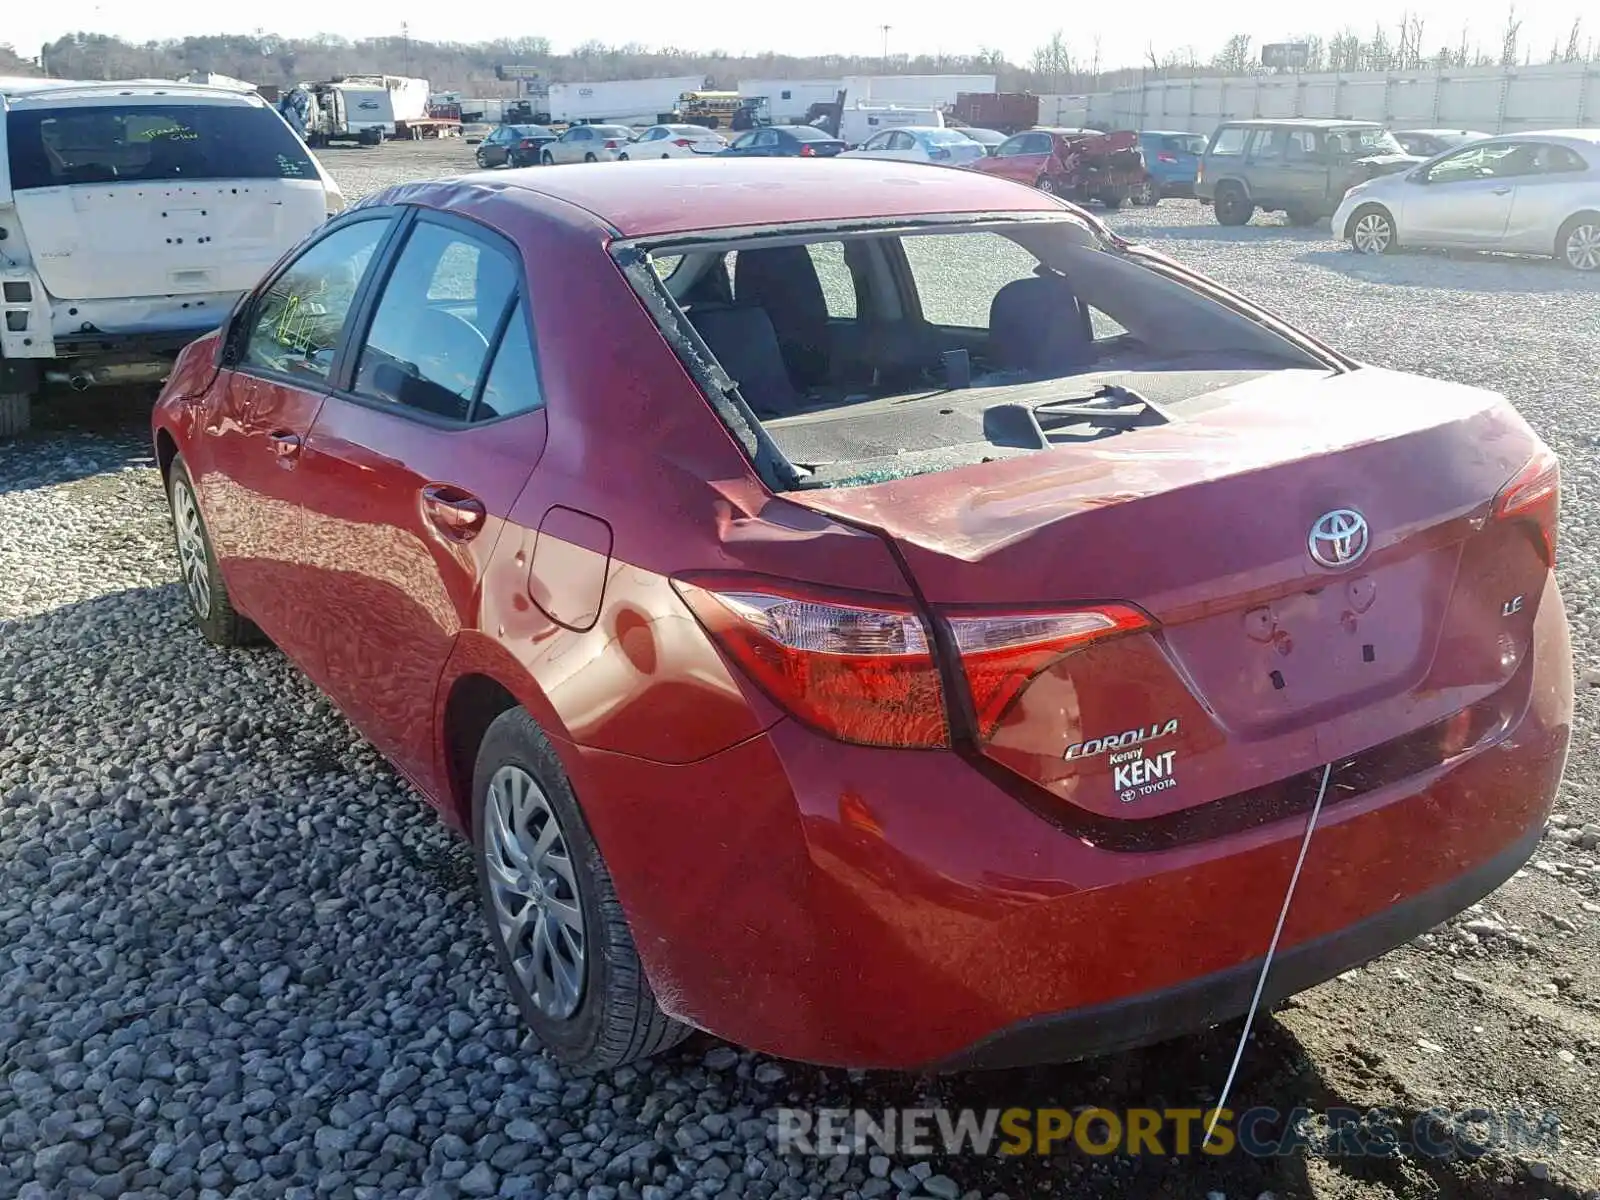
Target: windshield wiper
[(1109, 410)]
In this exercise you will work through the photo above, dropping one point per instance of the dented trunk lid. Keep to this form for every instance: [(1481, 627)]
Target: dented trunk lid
[(1262, 661)]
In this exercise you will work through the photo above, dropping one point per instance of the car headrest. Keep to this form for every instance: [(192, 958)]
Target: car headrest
[(744, 343), (1039, 325)]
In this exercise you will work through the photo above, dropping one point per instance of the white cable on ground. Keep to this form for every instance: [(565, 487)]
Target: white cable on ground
[(1272, 948)]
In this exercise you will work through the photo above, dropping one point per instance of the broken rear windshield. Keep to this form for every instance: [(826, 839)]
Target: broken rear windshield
[(866, 354), (111, 143)]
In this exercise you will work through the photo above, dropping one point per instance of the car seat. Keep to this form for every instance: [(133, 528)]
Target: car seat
[(783, 281), (743, 340), (1039, 325)]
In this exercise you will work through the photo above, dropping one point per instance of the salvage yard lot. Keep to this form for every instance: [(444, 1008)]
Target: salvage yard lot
[(239, 956)]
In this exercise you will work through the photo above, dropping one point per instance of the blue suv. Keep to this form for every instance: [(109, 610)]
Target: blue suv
[(1172, 160)]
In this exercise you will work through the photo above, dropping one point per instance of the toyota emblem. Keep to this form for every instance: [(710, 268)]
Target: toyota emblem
[(1338, 538)]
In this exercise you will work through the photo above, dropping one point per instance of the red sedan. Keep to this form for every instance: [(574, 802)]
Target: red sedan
[(875, 614), (1077, 164)]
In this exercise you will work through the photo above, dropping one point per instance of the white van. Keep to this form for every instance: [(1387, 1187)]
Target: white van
[(858, 122), (132, 216)]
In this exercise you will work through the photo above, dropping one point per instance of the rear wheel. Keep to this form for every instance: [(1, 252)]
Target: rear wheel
[(16, 413), (1578, 243), (1232, 206), (558, 931), (1372, 230), (1146, 195), (590, 158), (1045, 184), (624, 157), (547, 159), (1112, 200), (197, 565)]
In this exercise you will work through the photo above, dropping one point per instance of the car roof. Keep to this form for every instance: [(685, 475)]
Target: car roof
[(1570, 135), (1443, 132), (1302, 123), (57, 93), (680, 195)]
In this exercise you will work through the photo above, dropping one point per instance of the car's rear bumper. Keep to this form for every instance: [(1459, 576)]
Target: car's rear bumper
[(880, 908)]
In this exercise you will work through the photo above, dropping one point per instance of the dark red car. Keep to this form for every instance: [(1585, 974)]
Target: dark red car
[(1080, 165), (873, 613)]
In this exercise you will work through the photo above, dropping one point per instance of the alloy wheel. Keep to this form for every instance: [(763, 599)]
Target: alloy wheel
[(1372, 233), (1583, 247), (193, 561), (534, 887)]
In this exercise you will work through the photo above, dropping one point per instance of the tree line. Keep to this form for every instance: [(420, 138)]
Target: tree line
[(1059, 65)]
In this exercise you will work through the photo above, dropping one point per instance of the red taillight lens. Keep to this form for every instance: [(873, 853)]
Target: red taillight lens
[(1534, 495), (525, 144), (685, 142), (858, 670), (612, 144), (808, 152), (1166, 158), (1002, 653)]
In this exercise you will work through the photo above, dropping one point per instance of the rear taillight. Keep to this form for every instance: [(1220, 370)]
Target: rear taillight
[(612, 144), (864, 670), (1166, 158), (1534, 496), (860, 671), (1199, 172), (525, 144), (808, 152), (1002, 653), (939, 153), (685, 142)]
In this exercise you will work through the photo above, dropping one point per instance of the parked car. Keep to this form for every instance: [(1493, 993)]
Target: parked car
[(1300, 167), (1425, 143), (134, 215), (587, 143), (675, 141), (1527, 193), (1173, 160), (984, 610), (785, 141), (1081, 165), (514, 146), (946, 147), (989, 139)]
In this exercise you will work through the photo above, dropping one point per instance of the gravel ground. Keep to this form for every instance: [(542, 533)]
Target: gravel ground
[(240, 958)]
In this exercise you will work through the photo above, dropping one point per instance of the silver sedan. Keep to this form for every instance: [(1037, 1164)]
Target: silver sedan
[(1525, 193)]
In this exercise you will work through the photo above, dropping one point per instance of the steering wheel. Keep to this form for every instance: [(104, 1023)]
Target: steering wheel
[(450, 350)]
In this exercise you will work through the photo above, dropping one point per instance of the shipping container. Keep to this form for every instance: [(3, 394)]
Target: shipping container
[(789, 99), (913, 89)]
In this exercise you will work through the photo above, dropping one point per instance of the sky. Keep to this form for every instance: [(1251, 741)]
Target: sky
[(829, 26)]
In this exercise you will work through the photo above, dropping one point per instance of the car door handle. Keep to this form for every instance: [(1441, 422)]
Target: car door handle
[(1505, 191), (285, 447), (456, 514)]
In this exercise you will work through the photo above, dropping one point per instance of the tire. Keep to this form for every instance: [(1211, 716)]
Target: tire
[(1578, 243), (482, 166), (606, 1015), (590, 158), (1111, 202), (16, 413), (1300, 218), (546, 159), (197, 566), (1146, 195), (624, 157), (1046, 185), (1232, 206), (1371, 230)]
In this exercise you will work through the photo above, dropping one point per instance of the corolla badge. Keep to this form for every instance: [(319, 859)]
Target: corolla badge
[(1338, 538)]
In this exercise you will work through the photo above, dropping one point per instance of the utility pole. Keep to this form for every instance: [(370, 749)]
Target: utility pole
[(405, 38), (885, 30)]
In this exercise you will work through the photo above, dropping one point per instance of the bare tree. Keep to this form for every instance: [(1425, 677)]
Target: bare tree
[(1053, 60), (1508, 42), (1234, 57), (1574, 50)]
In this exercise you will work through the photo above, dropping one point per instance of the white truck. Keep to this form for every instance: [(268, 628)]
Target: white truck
[(620, 101), (364, 108)]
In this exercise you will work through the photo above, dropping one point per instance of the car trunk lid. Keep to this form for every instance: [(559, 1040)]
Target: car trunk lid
[(1259, 661)]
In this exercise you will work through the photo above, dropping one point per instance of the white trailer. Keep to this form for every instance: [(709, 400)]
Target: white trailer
[(928, 90), (624, 101), (789, 99)]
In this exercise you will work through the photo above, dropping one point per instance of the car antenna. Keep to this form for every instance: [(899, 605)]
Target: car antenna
[(1272, 948)]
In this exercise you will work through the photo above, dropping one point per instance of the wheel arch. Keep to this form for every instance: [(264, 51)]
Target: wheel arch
[(166, 451), (1365, 206), (1561, 229), (1237, 181)]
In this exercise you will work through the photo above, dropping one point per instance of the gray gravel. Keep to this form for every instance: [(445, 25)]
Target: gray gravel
[(240, 957)]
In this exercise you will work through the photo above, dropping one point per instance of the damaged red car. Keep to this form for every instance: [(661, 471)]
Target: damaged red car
[(873, 613), (1080, 165)]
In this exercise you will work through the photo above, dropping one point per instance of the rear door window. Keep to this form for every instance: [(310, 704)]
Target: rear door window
[(958, 274), (146, 143), (297, 323), (440, 311)]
